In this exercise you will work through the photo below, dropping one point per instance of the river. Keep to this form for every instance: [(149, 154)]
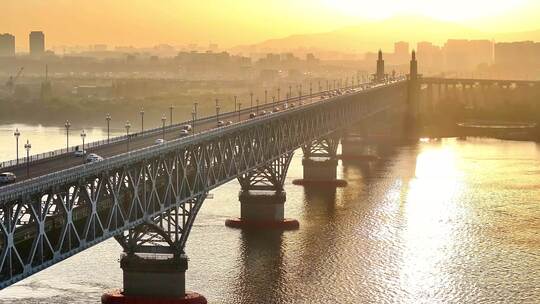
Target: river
[(449, 221)]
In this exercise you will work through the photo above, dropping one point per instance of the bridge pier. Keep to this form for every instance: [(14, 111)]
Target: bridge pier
[(154, 263), (153, 280), (262, 198), (320, 163)]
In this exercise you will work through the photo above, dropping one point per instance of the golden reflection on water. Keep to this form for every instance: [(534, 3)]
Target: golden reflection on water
[(427, 214)]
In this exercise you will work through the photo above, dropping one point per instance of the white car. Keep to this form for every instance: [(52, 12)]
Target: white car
[(92, 158), (276, 109), (159, 141), (184, 133), (229, 123), (252, 115), (263, 112), (220, 123), (7, 177), (187, 127), (80, 153)]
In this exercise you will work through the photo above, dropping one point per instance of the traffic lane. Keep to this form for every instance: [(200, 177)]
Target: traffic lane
[(70, 160)]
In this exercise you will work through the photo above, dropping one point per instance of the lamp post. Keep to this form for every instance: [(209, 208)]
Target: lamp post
[(300, 93), (265, 96), (171, 107), (193, 121), (108, 118), (235, 102), (27, 146), (163, 120), (278, 93), (142, 120), (257, 109), (319, 87), (67, 125), (217, 110), (17, 134), (239, 110), (290, 91), (251, 100), (310, 90), (195, 104), (83, 136), (127, 125)]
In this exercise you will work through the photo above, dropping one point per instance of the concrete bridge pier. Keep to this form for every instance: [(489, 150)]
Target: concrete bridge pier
[(262, 198), (320, 163), (154, 264)]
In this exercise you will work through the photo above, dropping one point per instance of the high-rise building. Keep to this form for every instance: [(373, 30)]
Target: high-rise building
[(401, 51), (37, 43), (7, 45)]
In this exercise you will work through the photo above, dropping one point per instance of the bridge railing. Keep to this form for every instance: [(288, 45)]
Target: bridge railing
[(155, 131)]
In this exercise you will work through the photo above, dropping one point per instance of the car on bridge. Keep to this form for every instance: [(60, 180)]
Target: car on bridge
[(159, 141), (184, 133), (252, 115), (79, 153), (187, 127), (7, 177), (220, 123), (229, 123), (92, 158), (277, 109)]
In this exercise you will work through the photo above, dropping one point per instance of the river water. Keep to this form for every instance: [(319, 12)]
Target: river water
[(450, 221)]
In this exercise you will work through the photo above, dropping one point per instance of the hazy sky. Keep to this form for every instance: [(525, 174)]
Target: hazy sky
[(232, 22)]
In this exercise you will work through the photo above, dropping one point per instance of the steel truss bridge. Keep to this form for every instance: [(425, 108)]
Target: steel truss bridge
[(148, 198)]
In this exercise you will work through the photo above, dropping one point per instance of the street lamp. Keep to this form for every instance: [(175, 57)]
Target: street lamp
[(290, 91), (163, 120), (257, 109), (235, 102), (83, 136), (127, 125), (217, 110), (265, 96), (310, 89), (195, 104), (193, 121), (27, 146), (278, 93), (142, 120), (251, 100), (170, 114), (17, 134), (67, 125), (239, 109), (108, 118)]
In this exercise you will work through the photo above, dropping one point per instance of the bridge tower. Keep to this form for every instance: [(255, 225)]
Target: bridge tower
[(413, 99), (380, 76), (262, 197)]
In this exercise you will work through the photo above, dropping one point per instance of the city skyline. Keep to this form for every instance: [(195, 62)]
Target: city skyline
[(142, 23)]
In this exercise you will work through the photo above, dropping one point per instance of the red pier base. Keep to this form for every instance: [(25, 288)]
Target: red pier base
[(285, 224), (117, 297), (320, 183)]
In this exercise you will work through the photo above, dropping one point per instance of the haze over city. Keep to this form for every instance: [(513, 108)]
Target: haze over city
[(246, 152)]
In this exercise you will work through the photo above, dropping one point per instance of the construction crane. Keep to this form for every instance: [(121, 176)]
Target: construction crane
[(10, 84)]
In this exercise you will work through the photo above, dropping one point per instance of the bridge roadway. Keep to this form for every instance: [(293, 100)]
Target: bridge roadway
[(69, 160)]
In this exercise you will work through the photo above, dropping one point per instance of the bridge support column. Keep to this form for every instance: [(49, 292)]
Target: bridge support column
[(154, 264), (358, 148), (320, 163), (262, 198)]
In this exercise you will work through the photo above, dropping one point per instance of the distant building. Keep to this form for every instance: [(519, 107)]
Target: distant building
[(431, 56), (467, 54), (522, 55), (401, 51), (37, 43), (7, 45)]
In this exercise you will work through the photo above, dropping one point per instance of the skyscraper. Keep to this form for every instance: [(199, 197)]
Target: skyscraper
[(7, 45), (37, 43)]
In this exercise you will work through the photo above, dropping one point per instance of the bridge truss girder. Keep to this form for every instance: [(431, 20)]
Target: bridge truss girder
[(137, 196)]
